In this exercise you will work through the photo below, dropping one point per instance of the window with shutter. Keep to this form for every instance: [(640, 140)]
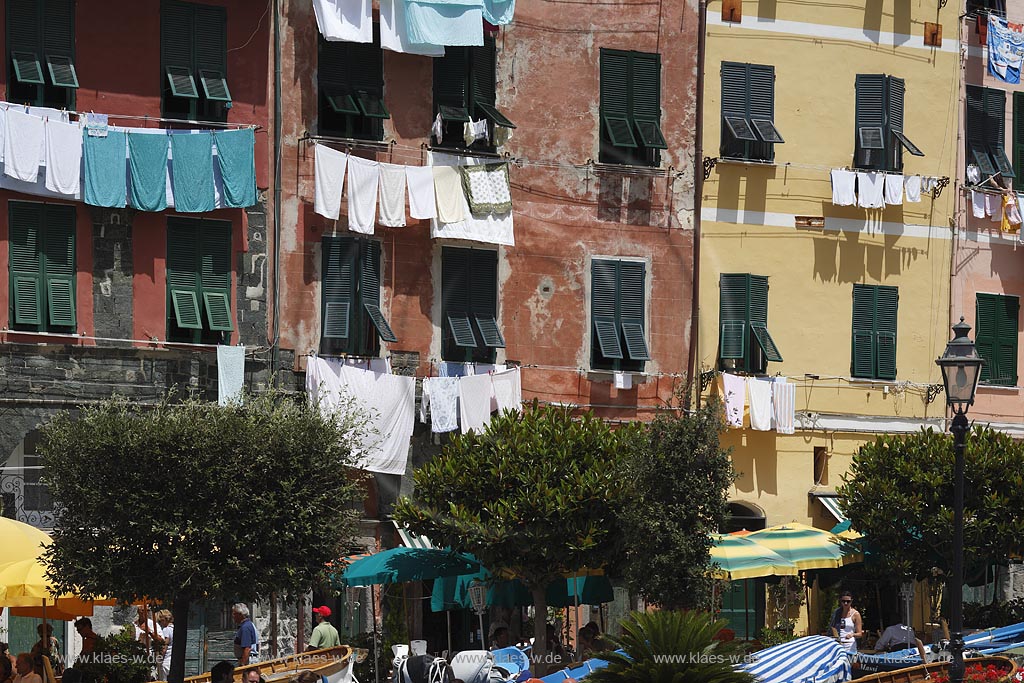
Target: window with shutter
[(879, 137), (352, 320), (41, 49), (193, 61), (42, 266), (199, 280), (748, 112), (630, 111), (873, 354), (469, 305), (465, 88), (985, 132), (984, 7), (744, 342), (1018, 134), (350, 81), (617, 313), (996, 338)]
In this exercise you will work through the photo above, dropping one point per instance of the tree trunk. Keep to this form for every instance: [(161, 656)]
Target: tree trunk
[(540, 632), (179, 608)]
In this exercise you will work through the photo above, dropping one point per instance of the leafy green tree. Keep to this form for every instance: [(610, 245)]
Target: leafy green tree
[(679, 478), (899, 494), (187, 501), (534, 496), (672, 646)]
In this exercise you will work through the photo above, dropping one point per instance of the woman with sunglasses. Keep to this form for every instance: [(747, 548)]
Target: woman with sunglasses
[(846, 623)]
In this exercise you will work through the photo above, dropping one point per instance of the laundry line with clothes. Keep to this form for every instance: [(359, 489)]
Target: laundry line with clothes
[(463, 197), (878, 189), (1003, 207), (771, 402), (45, 153)]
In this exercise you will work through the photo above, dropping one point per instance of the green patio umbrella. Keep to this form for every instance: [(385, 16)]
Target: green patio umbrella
[(453, 592), (400, 565)]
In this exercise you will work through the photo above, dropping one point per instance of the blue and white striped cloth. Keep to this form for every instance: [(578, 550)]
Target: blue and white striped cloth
[(814, 659)]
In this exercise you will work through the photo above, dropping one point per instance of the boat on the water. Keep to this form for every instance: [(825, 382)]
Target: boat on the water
[(921, 672), (331, 663)]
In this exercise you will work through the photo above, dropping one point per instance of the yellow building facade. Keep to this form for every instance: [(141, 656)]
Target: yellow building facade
[(850, 304)]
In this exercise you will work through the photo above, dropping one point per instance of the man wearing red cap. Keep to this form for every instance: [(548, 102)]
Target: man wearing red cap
[(324, 635)]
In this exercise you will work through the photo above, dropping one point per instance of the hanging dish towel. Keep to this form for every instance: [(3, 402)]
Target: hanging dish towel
[(392, 195), (491, 228), (474, 402), (63, 157), (230, 373), (105, 177), (363, 177), (348, 20), (192, 172), (24, 144), (502, 134), (760, 403), (448, 187), (237, 161), (994, 207), (912, 185), (329, 170), (843, 183), (147, 157), (977, 204), (870, 190), (499, 12), (783, 403), (420, 180), (508, 390), (473, 131), (449, 369), (893, 189), (96, 125), (487, 188), (394, 33), (445, 22), (734, 394), (444, 403)]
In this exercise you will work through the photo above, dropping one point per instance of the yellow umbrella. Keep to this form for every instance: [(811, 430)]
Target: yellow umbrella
[(24, 584), (21, 541), (805, 546), (738, 557)]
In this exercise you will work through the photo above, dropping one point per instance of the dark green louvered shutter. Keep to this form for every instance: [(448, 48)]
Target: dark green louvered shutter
[(733, 293), (59, 264), (986, 334), (631, 308), (975, 130), (211, 51), (483, 282), (758, 302), (604, 302), (25, 39), (995, 114), (870, 121), (338, 270), (369, 288), (25, 228), (483, 83), (761, 110), (451, 86), (863, 352), (455, 296), (886, 306), (1018, 134), (646, 99), (615, 109), (215, 274), (736, 128), (1006, 343), (894, 119), (59, 42), (333, 76), (176, 48), (183, 273)]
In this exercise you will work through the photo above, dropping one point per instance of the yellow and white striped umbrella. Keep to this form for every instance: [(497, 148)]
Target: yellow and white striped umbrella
[(740, 558), (807, 547)]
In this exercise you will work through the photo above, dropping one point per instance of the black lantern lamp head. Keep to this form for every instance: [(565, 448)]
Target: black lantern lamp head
[(961, 369)]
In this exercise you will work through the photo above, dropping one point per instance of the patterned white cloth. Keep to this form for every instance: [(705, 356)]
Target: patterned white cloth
[(442, 395), (487, 188), (784, 404), (734, 393)]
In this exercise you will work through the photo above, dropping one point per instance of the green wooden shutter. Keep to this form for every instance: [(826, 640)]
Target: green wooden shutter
[(183, 273), (895, 95), (761, 109), (615, 97), (177, 48), (332, 73), (863, 351), (451, 84), (604, 306), (886, 305), (211, 45), (646, 99), (25, 39), (58, 32), (733, 292), (869, 121), (631, 308), (59, 264), (26, 262), (736, 127), (758, 311), (338, 259), (995, 115), (456, 306), (369, 288), (483, 281), (987, 333), (1006, 343), (483, 83), (1018, 133), (215, 274), (975, 130)]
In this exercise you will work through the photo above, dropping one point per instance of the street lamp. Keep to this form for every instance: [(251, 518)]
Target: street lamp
[(961, 369)]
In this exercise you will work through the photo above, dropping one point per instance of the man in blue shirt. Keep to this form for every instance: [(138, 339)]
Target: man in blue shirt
[(247, 640)]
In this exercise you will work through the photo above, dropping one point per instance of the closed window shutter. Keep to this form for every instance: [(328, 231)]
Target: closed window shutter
[(758, 301), (369, 288), (762, 106), (176, 48), (995, 114), (183, 273), (886, 304), (863, 363), (976, 128), (25, 39), (215, 274), (338, 285), (894, 119), (870, 120), (615, 109), (1006, 344), (59, 264), (631, 308), (455, 297), (1018, 133), (58, 32), (483, 72), (26, 262), (733, 292), (987, 335), (483, 281), (451, 91), (646, 99), (211, 51), (604, 306)]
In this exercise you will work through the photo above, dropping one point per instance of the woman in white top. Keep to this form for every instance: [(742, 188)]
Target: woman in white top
[(846, 623), (166, 619)]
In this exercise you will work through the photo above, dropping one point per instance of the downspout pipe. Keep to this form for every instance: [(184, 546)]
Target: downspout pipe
[(275, 341), (698, 191)]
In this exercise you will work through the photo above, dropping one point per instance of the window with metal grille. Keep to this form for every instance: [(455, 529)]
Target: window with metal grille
[(748, 112), (996, 338), (199, 281), (42, 266), (873, 349), (985, 132), (350, 83), (351, 317), (744, 343), (879, 138), (618, 324), (193, 61), (41, 52), (465, 88), (631, 108), (469, 305)]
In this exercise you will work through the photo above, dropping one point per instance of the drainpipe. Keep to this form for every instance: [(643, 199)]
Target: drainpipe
[(698, 190), (275, 343)]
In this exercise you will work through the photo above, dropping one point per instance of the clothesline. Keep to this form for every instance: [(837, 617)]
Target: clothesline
[(813, 167), (249, 349), (143, 117)]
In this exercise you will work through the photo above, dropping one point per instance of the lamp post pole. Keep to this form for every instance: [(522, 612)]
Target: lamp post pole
[(959, 429)]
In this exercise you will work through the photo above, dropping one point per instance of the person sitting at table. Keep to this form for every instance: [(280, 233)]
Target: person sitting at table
[(25, 670), (900, 637)]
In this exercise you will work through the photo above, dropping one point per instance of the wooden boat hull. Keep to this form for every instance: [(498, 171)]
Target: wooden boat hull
[(327, 659), (914, 674)]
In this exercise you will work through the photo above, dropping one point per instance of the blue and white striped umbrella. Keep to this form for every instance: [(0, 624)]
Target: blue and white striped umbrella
[(814, 659)]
